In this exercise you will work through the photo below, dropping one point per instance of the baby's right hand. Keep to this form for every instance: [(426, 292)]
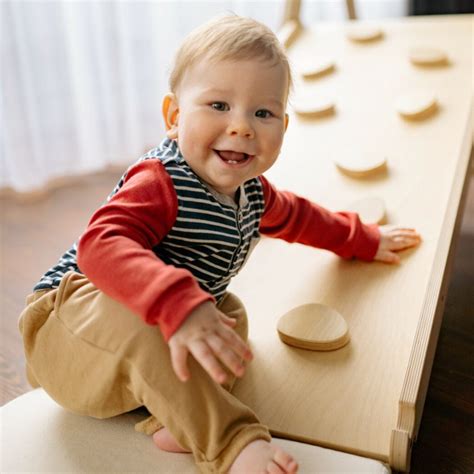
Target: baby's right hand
[(208, 335)]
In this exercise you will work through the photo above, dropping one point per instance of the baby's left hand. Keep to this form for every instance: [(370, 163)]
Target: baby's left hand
[(394, 239)]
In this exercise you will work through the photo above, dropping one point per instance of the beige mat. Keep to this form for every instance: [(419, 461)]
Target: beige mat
[(37, 435)]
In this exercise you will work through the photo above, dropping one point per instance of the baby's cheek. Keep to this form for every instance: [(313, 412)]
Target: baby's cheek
[(200, 132), (187, 136), (275, 143)]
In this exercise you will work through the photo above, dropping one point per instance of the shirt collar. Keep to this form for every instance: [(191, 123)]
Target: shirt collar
[(171, 148)]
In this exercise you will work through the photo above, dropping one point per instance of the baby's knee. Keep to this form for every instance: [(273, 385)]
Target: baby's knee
[(34, 317)]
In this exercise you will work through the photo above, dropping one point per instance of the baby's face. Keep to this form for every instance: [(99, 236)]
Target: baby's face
[(231, 120)]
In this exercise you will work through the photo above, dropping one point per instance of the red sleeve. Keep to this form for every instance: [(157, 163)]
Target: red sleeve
[(115, 252), (295, 219)]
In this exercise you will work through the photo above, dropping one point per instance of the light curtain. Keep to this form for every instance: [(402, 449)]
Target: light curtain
[(82, 81)]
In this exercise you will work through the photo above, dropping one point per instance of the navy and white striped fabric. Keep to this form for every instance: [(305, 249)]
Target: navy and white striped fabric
[(212, 236)]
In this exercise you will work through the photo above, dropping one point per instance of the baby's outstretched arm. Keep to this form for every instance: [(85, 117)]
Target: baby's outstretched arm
[(208, 335), (394, 239)]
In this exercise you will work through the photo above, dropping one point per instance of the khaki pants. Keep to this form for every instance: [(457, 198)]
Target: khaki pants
[(96, 358)]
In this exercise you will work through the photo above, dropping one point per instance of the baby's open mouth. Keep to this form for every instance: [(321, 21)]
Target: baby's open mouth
[(233, 157)]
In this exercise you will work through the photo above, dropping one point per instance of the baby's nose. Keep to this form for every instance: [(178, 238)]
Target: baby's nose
[(241, 126)]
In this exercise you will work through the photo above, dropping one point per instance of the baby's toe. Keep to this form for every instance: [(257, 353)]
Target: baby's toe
[(274, 468), (285, 461)]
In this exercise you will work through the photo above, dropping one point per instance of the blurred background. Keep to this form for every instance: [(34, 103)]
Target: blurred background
[(82, 81), (81, 89)]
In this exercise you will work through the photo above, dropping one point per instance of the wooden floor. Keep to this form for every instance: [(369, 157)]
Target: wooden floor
[(34, 234)]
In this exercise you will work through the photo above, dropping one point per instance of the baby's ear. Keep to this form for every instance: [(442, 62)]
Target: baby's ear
[(170, 112)]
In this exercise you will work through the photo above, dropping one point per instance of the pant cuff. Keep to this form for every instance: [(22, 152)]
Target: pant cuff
[(148, 426), (227, 456)]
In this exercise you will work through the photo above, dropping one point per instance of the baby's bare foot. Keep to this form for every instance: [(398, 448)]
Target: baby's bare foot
[(166, 442), (263, 457)]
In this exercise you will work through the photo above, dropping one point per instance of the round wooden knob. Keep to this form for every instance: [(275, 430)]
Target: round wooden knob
[(428, 57), (364, 33), (416, 105), (360, 165), (313, 326), (313, 107), (371, 210), (317, 68)]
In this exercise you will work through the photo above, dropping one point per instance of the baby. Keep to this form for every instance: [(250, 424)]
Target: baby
[(110, 327)]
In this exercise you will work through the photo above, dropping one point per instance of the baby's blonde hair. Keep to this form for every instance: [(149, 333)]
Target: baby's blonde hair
[(230, 37)]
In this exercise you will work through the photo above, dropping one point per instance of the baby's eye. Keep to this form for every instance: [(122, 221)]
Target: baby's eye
[(220, 106), (263, 113)]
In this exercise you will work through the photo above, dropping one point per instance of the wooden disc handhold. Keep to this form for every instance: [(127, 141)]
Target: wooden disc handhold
[(417, 105), (314, 107), (317, 68), (364, 33), (371, 210), (428, 57), (313, 326), (361, 165)]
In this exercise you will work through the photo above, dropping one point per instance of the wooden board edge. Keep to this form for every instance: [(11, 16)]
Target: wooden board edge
[(415, 385), (400, 450), (327, 445), (333, 345), (351, 11), (289, 32), (292, 11)]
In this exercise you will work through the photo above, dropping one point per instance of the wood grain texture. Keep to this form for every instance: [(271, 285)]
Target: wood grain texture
[(446, 435), (355, 398), (315, 327), (418, 371)]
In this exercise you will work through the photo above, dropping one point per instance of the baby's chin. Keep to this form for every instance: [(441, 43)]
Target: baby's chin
[(227, 190), (227, 187)]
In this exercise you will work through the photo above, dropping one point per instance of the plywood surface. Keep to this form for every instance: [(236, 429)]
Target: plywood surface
[(365, 397)]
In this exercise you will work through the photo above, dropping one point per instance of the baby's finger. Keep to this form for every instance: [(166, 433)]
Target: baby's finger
[(400, 243), (387, 257), (405, 233), (394, 227), (179, 356), (274, 468), (205, 356), (226, 354), (236, 343), (403, 229), (231, 322)]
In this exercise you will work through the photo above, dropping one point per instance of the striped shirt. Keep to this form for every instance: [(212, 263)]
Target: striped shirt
[(212, 236), (161, 208)]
